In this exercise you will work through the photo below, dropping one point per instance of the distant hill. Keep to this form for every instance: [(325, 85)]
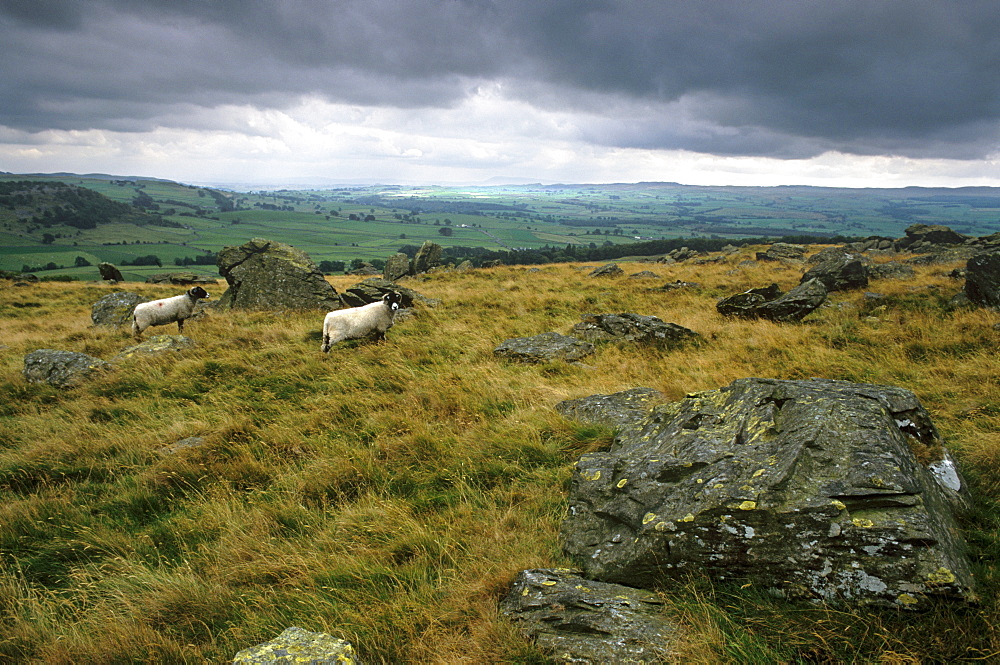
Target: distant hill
[(53, 203)]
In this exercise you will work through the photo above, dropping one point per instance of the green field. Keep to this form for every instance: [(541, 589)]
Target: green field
[(371, 223)]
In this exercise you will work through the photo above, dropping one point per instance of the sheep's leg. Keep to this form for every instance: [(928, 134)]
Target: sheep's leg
[(180, 326)]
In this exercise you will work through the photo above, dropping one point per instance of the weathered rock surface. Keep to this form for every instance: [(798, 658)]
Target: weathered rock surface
[(372, 289), (891, 270), (625, 411), (982, 279), (179, 278), (396, 266), (110, 272), (545, 347), (920, 235), (156, 345), (782, 251), (62, 369), (263, 274), (608, 270), (583, 621), (115, 309), (427, 257), (630, 327), (809, 488), (771, 304), (296, 645), (843, 273)]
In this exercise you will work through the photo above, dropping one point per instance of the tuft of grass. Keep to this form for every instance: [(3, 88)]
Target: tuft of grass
[(388, 493)]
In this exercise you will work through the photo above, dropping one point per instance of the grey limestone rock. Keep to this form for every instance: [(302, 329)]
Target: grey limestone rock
[(297, 645), (62, 369), (396, 266), (115, 309), (582, 621), (808, 488), (609, 270), (982, 279), (544, 348), (110, 272), (630, 327), (842, 273)]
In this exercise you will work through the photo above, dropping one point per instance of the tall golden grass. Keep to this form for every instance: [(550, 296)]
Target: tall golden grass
[(388, 493)]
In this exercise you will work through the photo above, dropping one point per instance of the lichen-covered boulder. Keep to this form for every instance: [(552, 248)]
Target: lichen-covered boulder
[(630, 327), (372, 289), (771, 304), (583, 621), (156, 345), (782, 251), (179, 278), (264, 274), (427, 257), (609, 270), (396, 266), (623, 411), (545, 347), (843, 273), (808, 488), (115, 309), (982, 279), (109, 272), (296, 645), (62, 369)]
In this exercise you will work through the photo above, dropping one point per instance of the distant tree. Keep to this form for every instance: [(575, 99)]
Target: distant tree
[(48, 238), (82, 262), (446, 231)]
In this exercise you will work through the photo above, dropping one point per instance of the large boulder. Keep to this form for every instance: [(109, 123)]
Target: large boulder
[(396, 266), (544, 348), (109, 272), (62, 369), (842, 273), (427, 257), (297, 645), (982, 279), (372, 289), (263, 274), (625, 410), (630, 327), (783, 251), (179, 278), (772, 304), (115, 309), (608, 270), (923, 236), (808, 488), (583, 621)]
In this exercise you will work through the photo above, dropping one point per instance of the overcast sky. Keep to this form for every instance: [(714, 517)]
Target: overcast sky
[(859, 93)]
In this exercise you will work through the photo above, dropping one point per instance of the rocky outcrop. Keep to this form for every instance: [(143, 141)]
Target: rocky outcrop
[(625, 411), (427, 257), (372, 289), (583, 621), (920, 236), (109, 272), (179, 278), (783, 251), (62, 369), (982, 279), (630, 327), (396, 266), (263, 274), (772, 304), (115, 309), (543, 348), (296, 645), (808, 488), (608, 270)]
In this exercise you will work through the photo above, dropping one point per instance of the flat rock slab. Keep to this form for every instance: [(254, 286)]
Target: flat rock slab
[(156, 345), (809, 488), (62, 369), (545, 347), (624, 411), (582, 621), (631, 327)]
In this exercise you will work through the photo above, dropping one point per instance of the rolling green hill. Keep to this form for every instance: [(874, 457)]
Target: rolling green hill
[(58, 222)]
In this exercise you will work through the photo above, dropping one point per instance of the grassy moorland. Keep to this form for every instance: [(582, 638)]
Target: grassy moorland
[(388, 493)]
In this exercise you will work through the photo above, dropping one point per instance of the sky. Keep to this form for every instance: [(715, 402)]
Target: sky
[(254, 93)]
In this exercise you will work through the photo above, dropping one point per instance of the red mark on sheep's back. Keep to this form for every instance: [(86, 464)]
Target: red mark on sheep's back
[(159, 304)]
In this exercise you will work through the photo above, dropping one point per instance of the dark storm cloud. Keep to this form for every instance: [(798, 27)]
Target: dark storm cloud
[(780, 78)]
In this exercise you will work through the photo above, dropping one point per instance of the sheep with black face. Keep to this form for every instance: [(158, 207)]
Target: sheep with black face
[(372, 319), (167, 310)]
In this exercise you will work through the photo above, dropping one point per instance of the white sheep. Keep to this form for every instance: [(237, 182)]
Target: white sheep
[(358, 322), (167, 310)]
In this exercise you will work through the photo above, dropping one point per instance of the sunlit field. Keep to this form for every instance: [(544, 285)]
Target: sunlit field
[(388, 493)]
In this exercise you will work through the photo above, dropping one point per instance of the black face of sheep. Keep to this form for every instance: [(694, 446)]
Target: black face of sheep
[(393, 300), (197, 292)]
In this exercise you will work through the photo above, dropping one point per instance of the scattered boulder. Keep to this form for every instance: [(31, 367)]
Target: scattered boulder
[(982, 279), (263, 274), (115, 309), (609, 270), (544, 348), (427, 257), (364, 268), (629, 327), (396, 266), (678, 255), (62, 369), (644, 274), (891, 270), (296, 645), (676, 284), (782, 251), (770, 303), (109, 272), (919, 236), (372, 289), (188, 443), (583, 621), (156, 345), (808, 488), (842, 273)]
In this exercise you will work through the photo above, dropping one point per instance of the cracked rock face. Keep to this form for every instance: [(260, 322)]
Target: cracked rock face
[(263, 274), (809, 488)]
